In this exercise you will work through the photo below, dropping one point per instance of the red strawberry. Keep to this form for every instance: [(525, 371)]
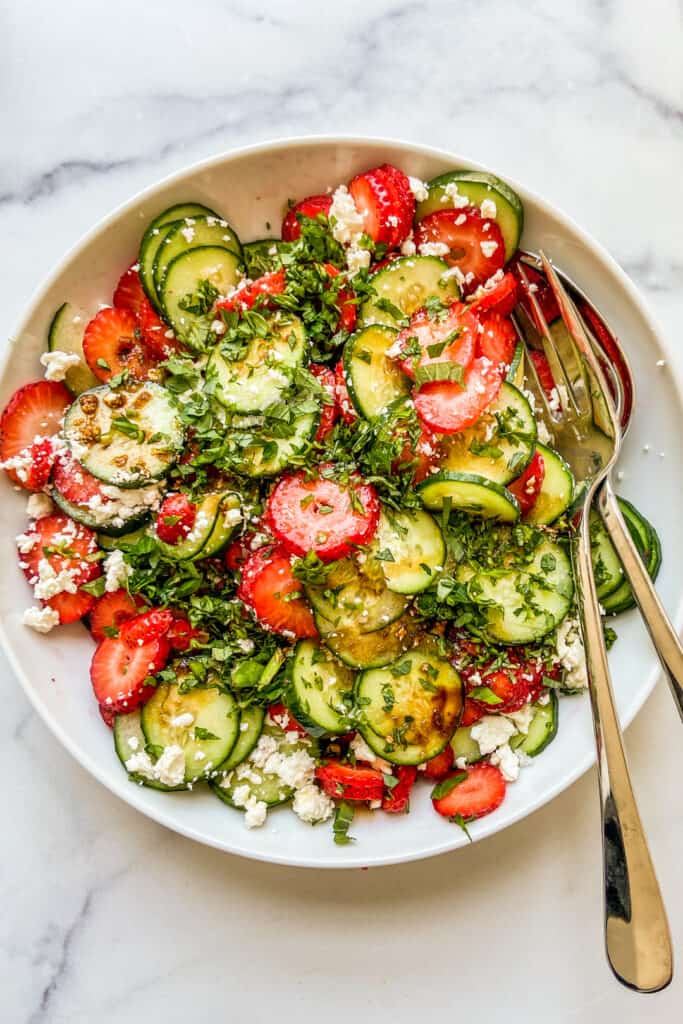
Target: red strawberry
[(500, 299), (129, 293), (239, 551), (382, 201), (498, 341), (406, 203), (113, 343), (540, 289), (108, 716), (175, 518), (71, 607), (396, 799), (343, 782), (346, 408), (246, 295), (267, 587), (527, 487), (33, 413), (451, 338), (329, 413), (182, 633), (118, 672), (439, 766), (146, 627), (543, 371), (510, 689), (447, 407), (311, 207), (475, 243), (481, 791), (472, 712), (75, 483), (282, 716), (70, 550), (111, 610), (157, 335), (348, 310)]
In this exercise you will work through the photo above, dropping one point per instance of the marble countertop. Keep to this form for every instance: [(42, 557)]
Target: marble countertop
[(105, 915)]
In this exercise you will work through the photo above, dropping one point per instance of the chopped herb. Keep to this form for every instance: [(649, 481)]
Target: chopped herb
[(343, 819), (444, 787)]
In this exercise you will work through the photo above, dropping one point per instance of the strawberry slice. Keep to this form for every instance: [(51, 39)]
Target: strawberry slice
[(471, 713), (118, 672), (108, 716), (310, 207), (343, 782), (129, 293), (75, 483), (182, 633), (396, 799), (527, 487), (475, 243), (112, 343), (63, 556), (472, 793), (282, 716), (384, 204), (329, 413), (33, 414), (510, 690), (344, 403), (159, 338), (175, 518), (71, 607), (447, 337), (497, 341), (322, 515), (111, 610), (543, 371), (501, 299), (348, 310), (268, 586), (239, 551), (146, 627), (541, 290), (446, 407), (246, 295), (439, 766)]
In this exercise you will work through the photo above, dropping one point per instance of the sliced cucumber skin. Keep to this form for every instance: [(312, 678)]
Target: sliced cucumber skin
[(373, 386), (368, 650), (477, 186), (353, 602), (557, 490), (271, 790), (469, 493), (129, 539), (65, 336), (154, 236), (211, 709), (225, 526), (421, 545), (97, 459), (510, 408), (646, 540), (220, 266), (175, 243), (389, 701), (606, 565), (515, 374), (256, 388), (543, 727), (307, 695), (82, 514), (252, 463), (258, 260), (407, 282), (193, 544), (247, 739), (128, 727), (464, 745)]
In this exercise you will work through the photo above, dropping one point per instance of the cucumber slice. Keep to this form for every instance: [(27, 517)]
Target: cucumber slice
[(469, 493), (646, 540), (260, 785), (368, 650), (154, 236), (220, 267), (191, 233), (542, 728), (478, 186), (214, 713), (116, 527), (411, 550), (523, 598), (268, 455), (407, 283), (372, 378), (251, 727), (126, 540), (355, 598), (464, 745), (214, 524), (65, 334), (409, 710), (607, 569), (129, 739), (499, 445), (515, 374), (128, 436), (557, 489), (319, 690), (261, 257), (257, 380)]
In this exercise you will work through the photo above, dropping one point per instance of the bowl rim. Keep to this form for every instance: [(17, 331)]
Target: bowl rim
[(577, 769)]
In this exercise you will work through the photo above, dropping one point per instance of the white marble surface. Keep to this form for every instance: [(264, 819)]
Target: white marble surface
[(107, 917)]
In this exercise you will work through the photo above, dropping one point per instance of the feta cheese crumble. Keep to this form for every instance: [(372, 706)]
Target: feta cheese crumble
[(571, 655), (39, 505), (169, 769), (419, 189), (116, 571), (58, 363), (41, 619), (312, 805)]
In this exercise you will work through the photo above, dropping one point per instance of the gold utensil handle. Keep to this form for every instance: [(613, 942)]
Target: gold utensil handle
[(637, 936), (662, 633)]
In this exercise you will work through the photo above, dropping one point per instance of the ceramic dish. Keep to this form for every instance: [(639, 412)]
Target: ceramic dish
[(251, 187)]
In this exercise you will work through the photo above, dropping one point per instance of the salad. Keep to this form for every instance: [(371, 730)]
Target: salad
[(299, 493)]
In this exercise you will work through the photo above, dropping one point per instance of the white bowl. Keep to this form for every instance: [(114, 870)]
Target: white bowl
[(250, 187)]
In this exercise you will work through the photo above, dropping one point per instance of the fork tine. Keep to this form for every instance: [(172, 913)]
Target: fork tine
[(532, 373), (563, 385), (577, 330)]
